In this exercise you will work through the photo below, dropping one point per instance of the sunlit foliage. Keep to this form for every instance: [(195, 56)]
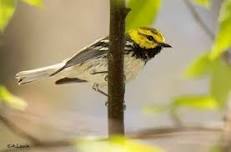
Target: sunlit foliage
[(204, 3), (37, 3), (115, 144), (143, 12), (7, 9), (10, 100), (212, 63), (223, 38)]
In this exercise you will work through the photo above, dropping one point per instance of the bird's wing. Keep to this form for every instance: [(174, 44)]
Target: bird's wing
[(96, 49)]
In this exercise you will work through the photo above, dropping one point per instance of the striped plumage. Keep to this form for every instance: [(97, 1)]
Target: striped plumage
[(90, 65)]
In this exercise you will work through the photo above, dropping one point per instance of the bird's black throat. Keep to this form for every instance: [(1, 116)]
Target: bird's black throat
[(144, 54)]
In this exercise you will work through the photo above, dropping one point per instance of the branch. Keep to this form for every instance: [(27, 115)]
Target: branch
[(34, 142), (116, 86), (199, 20), (225, 143), (175, 118), (152, 133), (156, 133), (18, 131), (227, 55)]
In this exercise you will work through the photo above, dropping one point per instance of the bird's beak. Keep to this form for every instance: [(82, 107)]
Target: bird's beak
[(165, 45)]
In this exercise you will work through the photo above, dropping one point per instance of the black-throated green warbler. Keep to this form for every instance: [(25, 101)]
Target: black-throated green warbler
[(90, 65)]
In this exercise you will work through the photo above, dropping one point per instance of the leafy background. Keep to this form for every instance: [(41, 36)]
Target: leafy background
[(191, 82)]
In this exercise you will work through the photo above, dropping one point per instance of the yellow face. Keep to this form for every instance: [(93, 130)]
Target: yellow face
[(147, 38)]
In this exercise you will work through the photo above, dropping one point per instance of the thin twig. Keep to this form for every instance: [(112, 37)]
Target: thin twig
[(175, 118), (18, 131), (225, 143), (199, 20), (34, 142), (226, 56), (165, 132)]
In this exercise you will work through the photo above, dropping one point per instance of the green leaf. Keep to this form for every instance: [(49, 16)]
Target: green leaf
[(199, 102), (38, 3), (204, 3), (220, 82), (143, 13), (223, 38), (201, 66), (219, 74), (11, 100), (115, 144), (7, 9)]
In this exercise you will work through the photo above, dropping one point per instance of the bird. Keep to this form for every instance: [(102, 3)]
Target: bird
[(90, 65)]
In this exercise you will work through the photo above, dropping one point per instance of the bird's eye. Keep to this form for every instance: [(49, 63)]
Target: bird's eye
[(150, 38)]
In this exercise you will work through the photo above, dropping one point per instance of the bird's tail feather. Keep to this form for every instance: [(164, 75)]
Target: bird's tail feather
[(36, 74)]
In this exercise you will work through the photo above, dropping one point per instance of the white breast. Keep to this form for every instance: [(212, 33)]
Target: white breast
[(85, 71), (132, 66)]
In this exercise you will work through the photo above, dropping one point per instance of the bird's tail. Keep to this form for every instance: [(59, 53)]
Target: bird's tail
[(36, 74)]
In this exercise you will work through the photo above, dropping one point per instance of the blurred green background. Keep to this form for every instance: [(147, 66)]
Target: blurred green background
[(48, 34)]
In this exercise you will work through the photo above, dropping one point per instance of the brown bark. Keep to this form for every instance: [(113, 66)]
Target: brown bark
[(116, 85)]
